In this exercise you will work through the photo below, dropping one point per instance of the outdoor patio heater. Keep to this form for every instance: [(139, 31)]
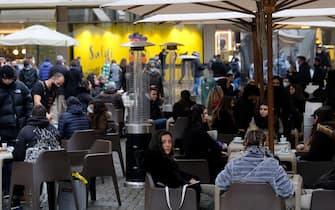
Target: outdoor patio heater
[(172, 92), (137, 125), (186, 80)]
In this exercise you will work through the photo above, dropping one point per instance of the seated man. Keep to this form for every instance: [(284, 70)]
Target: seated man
[(256, 166), (182, 107)]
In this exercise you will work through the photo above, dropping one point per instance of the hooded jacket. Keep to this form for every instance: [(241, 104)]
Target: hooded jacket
[(28, 75), (71, 120), (15, 108), (28, 138), (44, 70)]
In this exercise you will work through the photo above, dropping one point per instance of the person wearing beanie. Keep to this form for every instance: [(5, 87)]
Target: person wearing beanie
[(73, 119), (15, 106)]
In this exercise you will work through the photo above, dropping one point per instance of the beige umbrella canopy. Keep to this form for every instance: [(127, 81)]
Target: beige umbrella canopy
[(153, 7), (260, 9), (38, 35)]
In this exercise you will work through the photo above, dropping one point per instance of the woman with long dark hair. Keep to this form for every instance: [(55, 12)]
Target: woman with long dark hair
[(99, 118), (159, 162), (198, 144)]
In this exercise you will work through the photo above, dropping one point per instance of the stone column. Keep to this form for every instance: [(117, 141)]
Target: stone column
[(62, 27)]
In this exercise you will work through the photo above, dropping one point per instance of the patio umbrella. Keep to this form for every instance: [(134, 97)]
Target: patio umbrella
[(38, 35), (153, 7), (261, 9)]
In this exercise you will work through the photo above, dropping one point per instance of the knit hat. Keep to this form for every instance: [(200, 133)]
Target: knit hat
[(8, 72)]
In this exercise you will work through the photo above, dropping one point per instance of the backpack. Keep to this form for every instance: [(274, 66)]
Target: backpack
[(29, 77)]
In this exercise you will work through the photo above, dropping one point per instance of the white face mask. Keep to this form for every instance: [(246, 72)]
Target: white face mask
[(286, 84), (152, 69), (89, 109)]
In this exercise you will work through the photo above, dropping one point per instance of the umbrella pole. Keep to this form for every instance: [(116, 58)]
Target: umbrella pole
[(256, 54), (269, 7), (260, 52), (37, 55)]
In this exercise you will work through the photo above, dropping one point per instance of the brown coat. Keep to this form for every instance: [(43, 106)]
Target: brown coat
[(100, 123)]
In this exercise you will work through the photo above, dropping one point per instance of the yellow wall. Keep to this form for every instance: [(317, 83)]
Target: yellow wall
[(96, 43)]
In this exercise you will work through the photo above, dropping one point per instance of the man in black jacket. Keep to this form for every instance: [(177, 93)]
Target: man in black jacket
[(15, 108), (15, 105), (304, 75)]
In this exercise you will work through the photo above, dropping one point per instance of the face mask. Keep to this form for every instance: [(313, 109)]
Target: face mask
[(286, 84), (152, 69), (89, 109)]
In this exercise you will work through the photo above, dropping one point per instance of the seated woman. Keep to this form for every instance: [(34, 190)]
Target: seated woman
[(34, 138), (38, 135), (163, 168), (261, 118), (256, 166), (73, 119), (84, 94), (319, 146), (322, 145), (197, 144), (100, 117)]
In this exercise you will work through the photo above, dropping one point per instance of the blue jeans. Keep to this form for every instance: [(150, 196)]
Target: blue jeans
[(160, 123), (197, 83)]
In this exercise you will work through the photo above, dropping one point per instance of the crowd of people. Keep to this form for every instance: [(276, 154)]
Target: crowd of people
[(41, 106)]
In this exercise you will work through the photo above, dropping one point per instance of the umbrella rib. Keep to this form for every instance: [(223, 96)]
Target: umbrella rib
[(239, 23), (284, 3), (134, 7), (282, 19), (296, 5), (239, 7), (240, 27), (156, 9), (219, 7)]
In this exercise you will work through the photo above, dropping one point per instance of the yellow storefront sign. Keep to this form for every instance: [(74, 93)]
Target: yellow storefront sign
[(99, 42)]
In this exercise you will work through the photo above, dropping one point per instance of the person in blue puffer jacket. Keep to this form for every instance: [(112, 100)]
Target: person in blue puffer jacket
[(73, 119), (44, 69)]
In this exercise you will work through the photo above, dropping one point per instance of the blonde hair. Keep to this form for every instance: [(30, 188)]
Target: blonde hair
[(214, 96)]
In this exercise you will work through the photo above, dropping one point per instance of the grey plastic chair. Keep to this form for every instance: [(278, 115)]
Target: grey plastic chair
[(323, 200), (179, 127), (51, 166), (196, 167), (80, 140), (155, 197), (100, 163), (251, 196), (116, 146), (312, 170)]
